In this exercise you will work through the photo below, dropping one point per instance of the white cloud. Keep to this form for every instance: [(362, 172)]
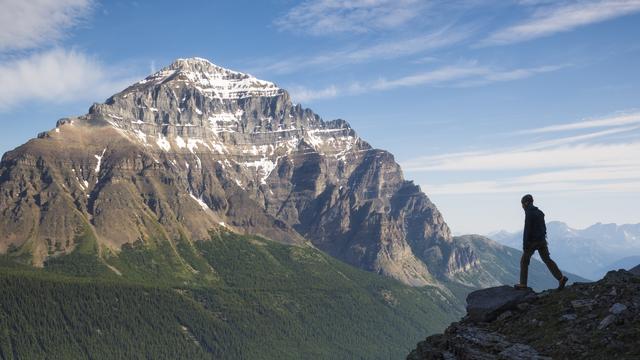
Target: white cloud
[(567, 164), (581, 155), (593, 174), (444, 74), (551, 19), (34, 23), (469, 74), (589, 179), (57, 76), (617, 120), (580, 138), (494, 187), (302, 94), (48, 73), (381, 51), (322, 17)]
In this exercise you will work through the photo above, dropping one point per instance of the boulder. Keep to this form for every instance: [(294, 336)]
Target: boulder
[(486, 304), (617, 308)]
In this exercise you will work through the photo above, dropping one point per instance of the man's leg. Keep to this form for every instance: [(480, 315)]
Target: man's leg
[(524, 265), (551, 265)]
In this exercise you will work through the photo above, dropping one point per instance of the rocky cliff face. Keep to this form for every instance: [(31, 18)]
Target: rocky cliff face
[(586, 321), (196, 146)]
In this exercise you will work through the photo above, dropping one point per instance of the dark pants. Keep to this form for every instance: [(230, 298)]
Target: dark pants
[(543, 250)]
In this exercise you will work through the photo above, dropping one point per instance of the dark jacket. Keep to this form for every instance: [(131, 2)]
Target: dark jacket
[(535, 230)]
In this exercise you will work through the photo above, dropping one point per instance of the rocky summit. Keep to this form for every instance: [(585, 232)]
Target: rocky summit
[(584, 321), (196, 146)]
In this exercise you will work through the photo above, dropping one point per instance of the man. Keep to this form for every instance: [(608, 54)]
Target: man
[(534, 238)]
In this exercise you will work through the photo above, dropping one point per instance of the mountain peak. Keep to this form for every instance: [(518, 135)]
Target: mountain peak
[(212, 80), (201, 65)]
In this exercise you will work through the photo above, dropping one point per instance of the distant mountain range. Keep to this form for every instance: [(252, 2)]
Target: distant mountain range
[(589, 252)]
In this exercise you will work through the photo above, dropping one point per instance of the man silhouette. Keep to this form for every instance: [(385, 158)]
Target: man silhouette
[(534, 237)]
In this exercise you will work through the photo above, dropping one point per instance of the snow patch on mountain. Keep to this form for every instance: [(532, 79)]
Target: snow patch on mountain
[(213, 80)]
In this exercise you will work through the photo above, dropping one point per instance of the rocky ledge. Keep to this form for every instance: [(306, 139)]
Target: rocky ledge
[(586, 320)]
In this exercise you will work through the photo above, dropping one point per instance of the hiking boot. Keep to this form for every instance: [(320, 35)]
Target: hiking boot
[(562, 282)]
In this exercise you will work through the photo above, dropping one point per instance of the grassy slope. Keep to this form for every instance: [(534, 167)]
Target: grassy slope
[(231, 297)]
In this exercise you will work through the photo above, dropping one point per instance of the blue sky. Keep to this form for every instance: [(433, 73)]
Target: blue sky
[(480, 101)]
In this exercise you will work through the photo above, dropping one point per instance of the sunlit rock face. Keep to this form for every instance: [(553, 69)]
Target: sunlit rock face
[(195, 146)]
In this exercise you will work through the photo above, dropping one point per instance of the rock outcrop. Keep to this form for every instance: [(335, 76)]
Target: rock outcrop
[(585, 320), (485, 305), (196, 146)]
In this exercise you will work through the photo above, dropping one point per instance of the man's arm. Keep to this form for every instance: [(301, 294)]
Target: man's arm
[(526, 233)]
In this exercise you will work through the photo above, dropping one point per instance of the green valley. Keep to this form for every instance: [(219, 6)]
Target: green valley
[(232, 297)]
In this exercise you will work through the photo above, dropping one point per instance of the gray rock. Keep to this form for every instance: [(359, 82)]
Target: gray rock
[(469, 342), (617, 308), (519, 352), (523, 306), (583, 303), (608, 320), (635, 270), (505, 315), (569, 317), (487, 304)]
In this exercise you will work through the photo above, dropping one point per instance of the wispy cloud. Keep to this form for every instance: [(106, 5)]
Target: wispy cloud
[(551, 19), (595, 161), (303, 94), (516, 186), (579, 155), (386, 50), (323, 17), (575, 168), (30, 24), (57, 76), (34, 68), (580, 138), (469, 74), (617, 120)]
